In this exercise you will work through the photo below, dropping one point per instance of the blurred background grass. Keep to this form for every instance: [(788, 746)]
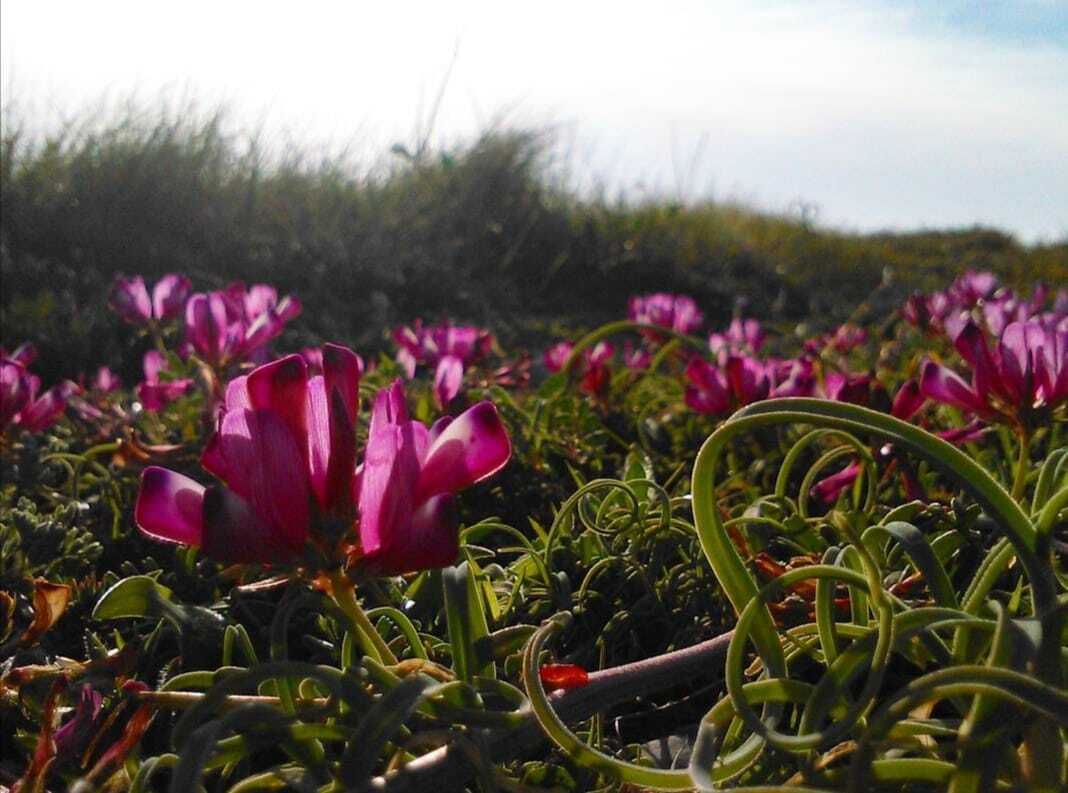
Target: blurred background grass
[(488, 231)]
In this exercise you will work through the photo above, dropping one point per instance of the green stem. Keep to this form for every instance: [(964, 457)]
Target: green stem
[(344, 594), (1023, 466)]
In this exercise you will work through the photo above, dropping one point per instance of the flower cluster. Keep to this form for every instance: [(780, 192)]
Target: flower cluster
[(1023, 374), (236, 323), (22, 406), (743, 379), (594, 368), (130, 299), (446, 348), (221, 327), (676, 312), (979, 296), (285, 452)]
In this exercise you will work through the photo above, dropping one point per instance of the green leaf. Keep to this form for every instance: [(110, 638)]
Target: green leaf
[(136, 596), (466, 620)]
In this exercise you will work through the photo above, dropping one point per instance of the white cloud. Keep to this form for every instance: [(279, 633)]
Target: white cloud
[(854, 107)]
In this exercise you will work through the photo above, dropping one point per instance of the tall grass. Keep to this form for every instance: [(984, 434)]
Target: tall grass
[(480, 231)]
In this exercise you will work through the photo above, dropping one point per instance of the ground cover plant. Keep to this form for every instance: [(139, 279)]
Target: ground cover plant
[(669, 553)]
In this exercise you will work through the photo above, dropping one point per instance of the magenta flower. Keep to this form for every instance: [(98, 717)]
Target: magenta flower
[(636, 358), (285, 449), (23, 355), (848, 337), (1027, 371), (154, 393), (410, 475), (235, 324), (556, 356), (907, 403), (105, 381), (971, 287), (677, 312), (743, 379), (72, 738), (446, 347), (129, 298), (594, 368), (795, 377), (42, 412), (707, 391), (854, 388), (741, 336), (20, 405), (14, 390)]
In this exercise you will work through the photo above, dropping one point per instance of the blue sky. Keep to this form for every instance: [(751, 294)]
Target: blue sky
[(1018, 21), (877, 113)]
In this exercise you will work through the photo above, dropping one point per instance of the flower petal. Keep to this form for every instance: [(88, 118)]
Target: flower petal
[(262, 462), (155, 396), (317, 420), (234, 531), (942, 385), (129, 299), (474, 446), (908, 400), (170, 506), (447, 379), (169, 296), (281, 387), (748, 379), (14, 391), (829, 488), (387, 489), (341, 375), (207, 326)]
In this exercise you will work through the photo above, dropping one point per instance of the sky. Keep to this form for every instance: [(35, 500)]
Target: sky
[(867, 115)]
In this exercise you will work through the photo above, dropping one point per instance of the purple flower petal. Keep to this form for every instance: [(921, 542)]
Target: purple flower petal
[(14, 391), (170, 506), (474, 446), (387, 489), (261, 461), (169, 296), (942, 385), (234, 531), (448, 377), (129, 299), (908, 400)]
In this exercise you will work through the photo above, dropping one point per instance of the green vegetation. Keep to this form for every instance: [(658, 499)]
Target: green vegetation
[(482, 233)]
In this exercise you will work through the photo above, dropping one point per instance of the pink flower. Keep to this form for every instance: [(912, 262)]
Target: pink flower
[(792, 378), (14, 390), (235, 324), (410, 475), (741, 336), (907, 403), (556, 356), (23, 355), (285, 450), (446, 347), (1026, 371), (677, 312), (744, 379), (155, 393), (707, 391), (106, 381), (20, 406), (129, 298), (636, 358), (72, 738), (847, 338), (845, 387)]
